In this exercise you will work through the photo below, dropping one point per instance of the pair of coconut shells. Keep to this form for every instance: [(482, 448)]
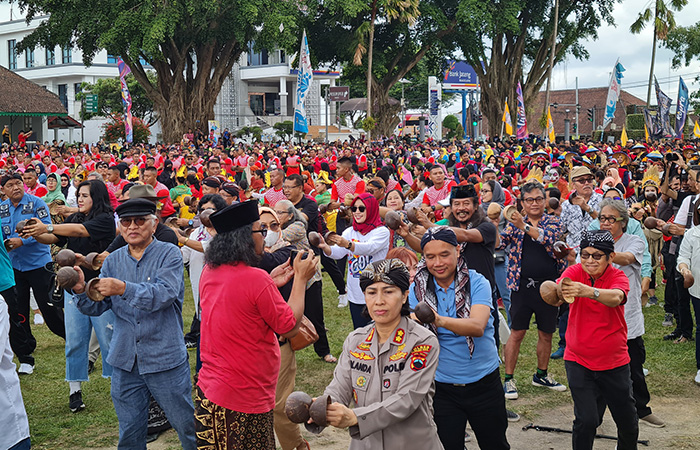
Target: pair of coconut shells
[(300, 407), (19, 228), (424, 313), (551, 292)]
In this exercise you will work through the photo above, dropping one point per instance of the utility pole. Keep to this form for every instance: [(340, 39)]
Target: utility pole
[(327, 88), (578, 106), (551, 57)]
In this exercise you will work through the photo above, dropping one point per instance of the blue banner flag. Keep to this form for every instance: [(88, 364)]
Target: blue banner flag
[(613, 93), (681, 108), (304, 79)]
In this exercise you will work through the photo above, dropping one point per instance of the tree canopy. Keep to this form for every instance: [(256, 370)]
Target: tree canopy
[(109, 98), (190, 44)]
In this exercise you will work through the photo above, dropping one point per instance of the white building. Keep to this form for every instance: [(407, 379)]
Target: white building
[(260, 91)]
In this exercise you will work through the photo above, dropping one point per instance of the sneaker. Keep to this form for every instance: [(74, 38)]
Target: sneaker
[(668, 320), (548, 382), (558, 354), (25, 369), (91, 367), (190, 344), (38, 319), (672, 336), (76, 401), (697, 377), (682, 340), (511, 391), (653, 300), (512, 416), (653, 421), (342, 301)]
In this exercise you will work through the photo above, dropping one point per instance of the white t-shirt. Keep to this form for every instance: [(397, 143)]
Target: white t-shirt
[(369, 248), (633, 308), (682, 214)]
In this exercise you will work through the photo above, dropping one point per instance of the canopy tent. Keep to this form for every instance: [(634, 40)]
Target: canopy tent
[(59, 122)]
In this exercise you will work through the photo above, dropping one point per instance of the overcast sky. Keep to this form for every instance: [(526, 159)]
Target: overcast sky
[(634, 52)]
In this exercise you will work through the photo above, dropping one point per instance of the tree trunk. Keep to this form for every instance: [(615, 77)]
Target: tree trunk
[(370, 50), (651, 70), (387, 115)]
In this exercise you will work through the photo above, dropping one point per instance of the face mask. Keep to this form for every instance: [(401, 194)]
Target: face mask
[(271, 238)]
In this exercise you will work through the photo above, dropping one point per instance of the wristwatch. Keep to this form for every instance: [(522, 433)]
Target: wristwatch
[(49, 228), (349, 245), (190, 222), (596, 294), (527, 228)]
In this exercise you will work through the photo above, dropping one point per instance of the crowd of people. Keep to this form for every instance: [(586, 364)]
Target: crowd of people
[(454, 230)]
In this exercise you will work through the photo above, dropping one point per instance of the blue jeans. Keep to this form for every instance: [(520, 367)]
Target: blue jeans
[(172, 390), (78, 330), (501, 276), (24, 444)]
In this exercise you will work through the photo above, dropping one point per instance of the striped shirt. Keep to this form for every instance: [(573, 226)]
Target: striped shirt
[(272, 196), (341, 188), (432, 195)]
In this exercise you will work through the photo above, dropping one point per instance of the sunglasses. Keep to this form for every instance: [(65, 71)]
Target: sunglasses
[(262, 231), (127, 221), (610, 219), (595, 256), (358, 208)]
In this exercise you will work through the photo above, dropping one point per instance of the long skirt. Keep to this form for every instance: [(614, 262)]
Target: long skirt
[(218, 428)]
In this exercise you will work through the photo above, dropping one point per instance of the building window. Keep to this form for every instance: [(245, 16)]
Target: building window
[(111, 59), (257, 58), (67, 55), (12, 54), (63, 94), (29, 57), (78, 87), (283, 57), (50, 57)]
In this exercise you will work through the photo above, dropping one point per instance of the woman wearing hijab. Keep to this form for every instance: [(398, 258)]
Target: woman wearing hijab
[(167, 176), (54, 190), (363, 243)]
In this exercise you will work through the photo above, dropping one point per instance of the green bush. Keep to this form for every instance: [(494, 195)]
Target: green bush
[(635, 122)]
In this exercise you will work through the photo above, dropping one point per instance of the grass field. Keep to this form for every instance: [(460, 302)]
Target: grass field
[(53, 426)]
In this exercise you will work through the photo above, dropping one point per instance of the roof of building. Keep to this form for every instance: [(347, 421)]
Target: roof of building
[(587, 98), (21, 97)]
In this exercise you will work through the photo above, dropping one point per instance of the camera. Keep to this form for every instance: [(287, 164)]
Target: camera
[(670, 157)]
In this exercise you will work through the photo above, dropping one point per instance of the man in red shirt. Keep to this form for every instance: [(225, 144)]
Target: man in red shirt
[(440, 190), (596, 356), (32, 186), (150, 176), (275, 193)]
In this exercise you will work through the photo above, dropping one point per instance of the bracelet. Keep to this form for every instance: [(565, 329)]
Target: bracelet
[(186, 240)]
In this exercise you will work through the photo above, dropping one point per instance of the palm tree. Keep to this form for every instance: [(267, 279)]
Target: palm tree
[(664, 21), (404, 10)]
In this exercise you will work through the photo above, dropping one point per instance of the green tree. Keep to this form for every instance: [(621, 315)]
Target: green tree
[(109, 98), (255, 132), (114, 130), (398, 48), (191, 45), (452, 123), (685, 43), (505, 37), (664, 21), (284, 130)]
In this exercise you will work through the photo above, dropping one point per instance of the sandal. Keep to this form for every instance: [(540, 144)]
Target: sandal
[(330, 359)]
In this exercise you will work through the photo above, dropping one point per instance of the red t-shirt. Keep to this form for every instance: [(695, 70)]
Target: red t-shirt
[(596, 336), (239, 350)]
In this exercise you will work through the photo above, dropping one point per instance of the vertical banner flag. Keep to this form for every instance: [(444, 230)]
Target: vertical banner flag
[(507, 120), (550, 126), (521, 132), (623, 136), (646, 133), (613, 93), (124, 70), (664, 102), (304, 79), (681, 107), (696, 130)]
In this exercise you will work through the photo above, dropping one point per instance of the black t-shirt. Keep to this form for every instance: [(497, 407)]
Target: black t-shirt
[(480, 255), (102, 231), (309, 207), (538, 265), (163, 234)]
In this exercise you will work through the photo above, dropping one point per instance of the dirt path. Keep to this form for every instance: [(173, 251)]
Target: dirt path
[(681, 432)]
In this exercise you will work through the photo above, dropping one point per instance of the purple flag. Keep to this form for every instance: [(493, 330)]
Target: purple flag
[(521, 121), (124, 70)]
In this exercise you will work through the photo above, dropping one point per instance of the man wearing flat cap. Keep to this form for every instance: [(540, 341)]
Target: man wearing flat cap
[(596, 356), (143, 284)]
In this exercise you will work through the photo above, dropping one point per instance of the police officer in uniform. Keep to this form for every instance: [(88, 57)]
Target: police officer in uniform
[(387, 370)]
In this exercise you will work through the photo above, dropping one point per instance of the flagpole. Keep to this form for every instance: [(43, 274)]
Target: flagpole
[(551, 55)]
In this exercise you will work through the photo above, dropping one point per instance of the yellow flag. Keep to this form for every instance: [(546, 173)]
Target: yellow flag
[(623, 136), (550, 126), (506, 119), (646, 133), (696, 130)]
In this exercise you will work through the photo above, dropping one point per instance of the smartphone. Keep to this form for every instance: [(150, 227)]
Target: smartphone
[(293, 256)]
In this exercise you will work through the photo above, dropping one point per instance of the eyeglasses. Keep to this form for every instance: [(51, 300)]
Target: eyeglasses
[(262, 231), (532, 200), (595, 256), (127, 221), (357, 208), (273, 226), (585, 180), (610, 219)]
